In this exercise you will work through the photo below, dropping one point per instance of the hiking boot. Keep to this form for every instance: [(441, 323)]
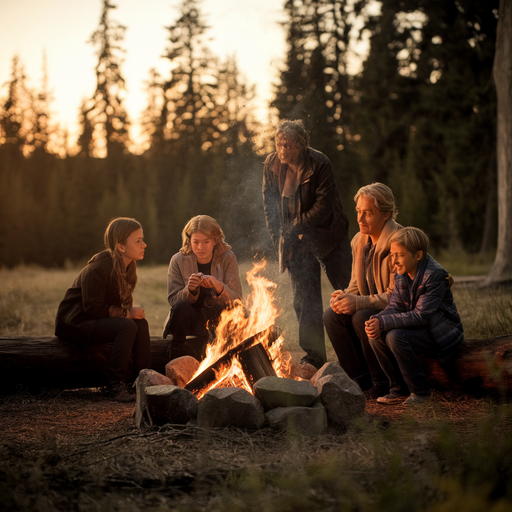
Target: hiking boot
[(392, 398), (376, 391), (118, 392), (415, 399)]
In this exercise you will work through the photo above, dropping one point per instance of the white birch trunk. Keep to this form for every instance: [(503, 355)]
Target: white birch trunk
[(502, 268)]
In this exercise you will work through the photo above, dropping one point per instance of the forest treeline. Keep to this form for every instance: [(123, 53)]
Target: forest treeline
[(419, 115)]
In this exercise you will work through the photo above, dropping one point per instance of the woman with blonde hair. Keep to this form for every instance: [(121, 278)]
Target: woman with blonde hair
[(202, 280), (98, 308)]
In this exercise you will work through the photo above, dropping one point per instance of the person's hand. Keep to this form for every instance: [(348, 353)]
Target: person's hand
[(136, 313), (211, 282), (194, 282), (372, 328), (335, 296), (343, 303)]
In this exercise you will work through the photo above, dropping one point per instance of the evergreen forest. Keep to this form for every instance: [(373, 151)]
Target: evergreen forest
[(418, 115)]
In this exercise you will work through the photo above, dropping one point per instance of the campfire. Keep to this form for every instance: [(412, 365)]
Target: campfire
[(247, 346), (247, 380)]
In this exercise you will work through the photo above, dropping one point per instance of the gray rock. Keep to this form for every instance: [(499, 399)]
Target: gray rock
[(230, 407), (181, 370), (145, 379), (278, 392), (311, 421), (330, 368), (171, 404), (342, 398)]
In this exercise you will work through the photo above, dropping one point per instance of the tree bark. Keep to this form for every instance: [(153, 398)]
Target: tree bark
[(501, 270), (29, 363)]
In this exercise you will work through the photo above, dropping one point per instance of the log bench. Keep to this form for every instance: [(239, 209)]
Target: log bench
[(35, 363)]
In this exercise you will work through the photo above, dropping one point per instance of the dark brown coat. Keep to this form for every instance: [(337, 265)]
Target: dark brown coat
[(321, 220), (90, 297)]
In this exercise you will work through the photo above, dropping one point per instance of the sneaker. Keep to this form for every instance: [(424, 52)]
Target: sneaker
[(392, 398), (117, 391), (375, 391), (416, 399)]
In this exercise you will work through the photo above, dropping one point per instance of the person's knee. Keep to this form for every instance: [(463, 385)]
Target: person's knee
[(181, 307), (129, 327), (393, 340), (329, 316), (359, 318), (142, 325)]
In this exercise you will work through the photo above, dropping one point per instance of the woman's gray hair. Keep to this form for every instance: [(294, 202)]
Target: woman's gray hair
[(295, 131), (382, 197)]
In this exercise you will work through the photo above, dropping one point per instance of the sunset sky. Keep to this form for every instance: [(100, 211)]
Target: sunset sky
[(249, 29)]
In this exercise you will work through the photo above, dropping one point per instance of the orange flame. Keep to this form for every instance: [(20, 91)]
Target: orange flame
[(238, 324)]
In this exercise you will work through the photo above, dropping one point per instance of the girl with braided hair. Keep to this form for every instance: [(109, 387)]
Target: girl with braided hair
[(98, 308)]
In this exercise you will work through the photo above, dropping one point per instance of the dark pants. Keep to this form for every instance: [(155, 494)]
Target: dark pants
[(397, 353), (305, 275), (187, 320), (128, 337), (352, 347)]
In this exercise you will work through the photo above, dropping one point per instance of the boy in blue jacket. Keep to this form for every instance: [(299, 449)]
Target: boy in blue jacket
[(421, 318)]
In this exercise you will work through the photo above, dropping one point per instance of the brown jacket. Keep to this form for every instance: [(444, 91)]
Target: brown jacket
[(90, 297), (321, 220), (384, 278)]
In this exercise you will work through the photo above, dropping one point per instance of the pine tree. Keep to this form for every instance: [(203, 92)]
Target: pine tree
[(41, 114), (151, 122), (105, 109), (187, 118), (426, 107), (315, 85), (13, 116), (85, 142)]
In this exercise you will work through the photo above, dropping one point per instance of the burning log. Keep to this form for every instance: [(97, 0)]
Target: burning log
[(256, 364), (252, 356)]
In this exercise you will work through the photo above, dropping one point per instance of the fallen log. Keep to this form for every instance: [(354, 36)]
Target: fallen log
[(35, 363), (479, 365)]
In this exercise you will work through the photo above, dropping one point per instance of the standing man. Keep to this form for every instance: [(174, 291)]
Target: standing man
[(369, 290), (308, 227)]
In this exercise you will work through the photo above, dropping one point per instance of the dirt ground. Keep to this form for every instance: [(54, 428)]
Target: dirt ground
[(76, 450)]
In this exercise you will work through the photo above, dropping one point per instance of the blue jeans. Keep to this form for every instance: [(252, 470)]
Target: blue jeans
[(397, 352), (305, 276)]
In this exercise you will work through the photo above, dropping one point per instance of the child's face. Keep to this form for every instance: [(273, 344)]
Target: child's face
[(405, 262)]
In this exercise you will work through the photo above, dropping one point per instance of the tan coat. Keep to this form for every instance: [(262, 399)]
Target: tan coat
[(384, 278)]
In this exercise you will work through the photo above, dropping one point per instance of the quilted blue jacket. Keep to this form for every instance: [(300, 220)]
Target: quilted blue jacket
[(425, 301)]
